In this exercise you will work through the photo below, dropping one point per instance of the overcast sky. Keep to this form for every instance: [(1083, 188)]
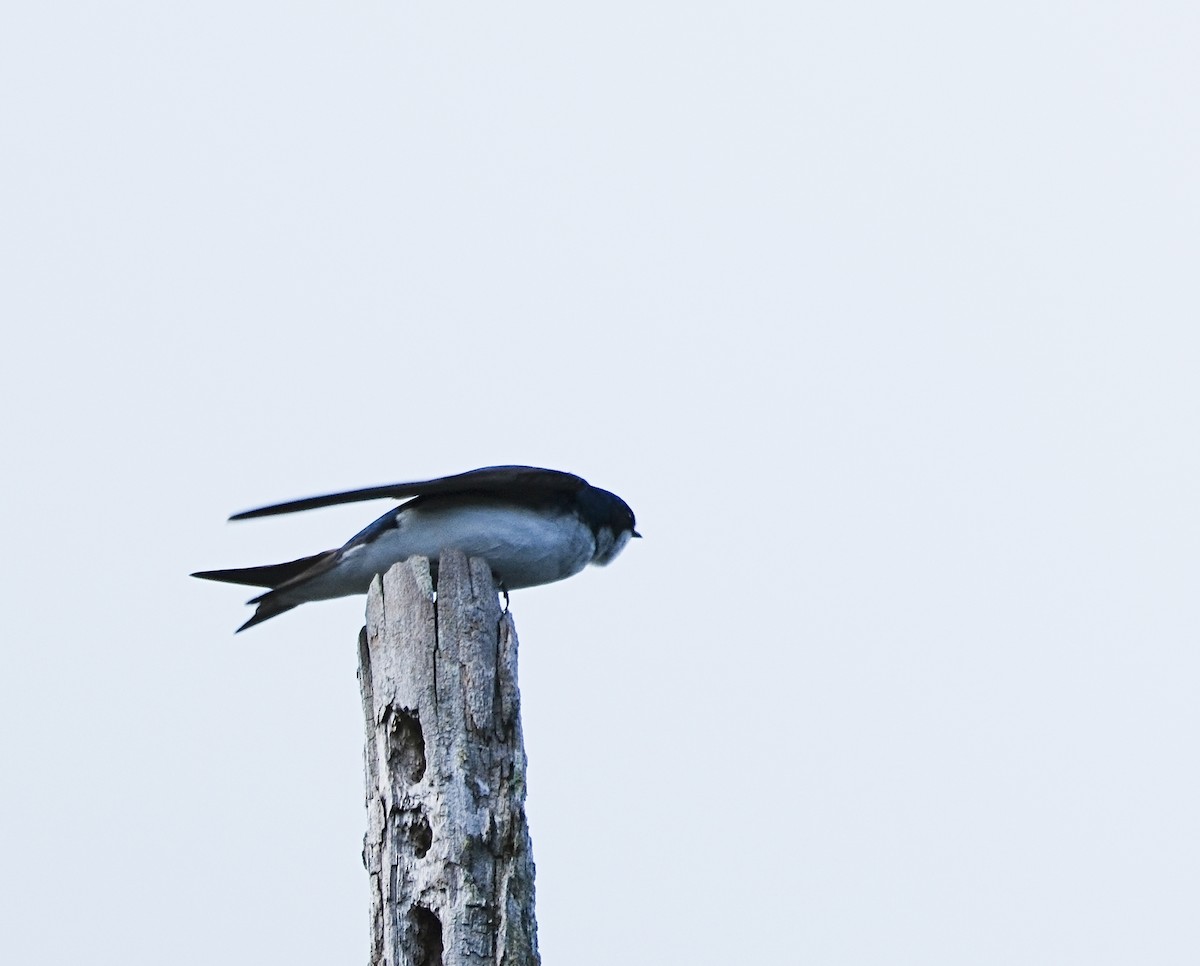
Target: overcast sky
[(883, 318)]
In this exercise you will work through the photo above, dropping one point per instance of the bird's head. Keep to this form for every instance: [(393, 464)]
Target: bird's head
[(611, 521)]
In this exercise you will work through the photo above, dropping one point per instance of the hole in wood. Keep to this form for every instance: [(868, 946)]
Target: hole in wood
[(421, 835), (425, 937), (409, 831), (406, 744)]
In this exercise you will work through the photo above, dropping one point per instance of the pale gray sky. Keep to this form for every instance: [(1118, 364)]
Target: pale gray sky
[(883, 317)]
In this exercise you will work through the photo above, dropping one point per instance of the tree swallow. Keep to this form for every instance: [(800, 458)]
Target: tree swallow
[(533, 526)]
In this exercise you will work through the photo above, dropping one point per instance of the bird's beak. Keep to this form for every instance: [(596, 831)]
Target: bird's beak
[(636, 534)]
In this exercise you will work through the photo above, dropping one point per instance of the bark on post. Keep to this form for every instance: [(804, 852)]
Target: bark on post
[(447, 847)]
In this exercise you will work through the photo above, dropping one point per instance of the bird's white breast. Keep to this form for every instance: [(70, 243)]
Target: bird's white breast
[(524, 547)]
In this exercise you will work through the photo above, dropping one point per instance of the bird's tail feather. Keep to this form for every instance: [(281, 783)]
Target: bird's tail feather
[(269, 605), (271, 575), (277, 577)]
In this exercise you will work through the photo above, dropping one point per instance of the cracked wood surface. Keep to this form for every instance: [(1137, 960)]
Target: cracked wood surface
[(447, 847)]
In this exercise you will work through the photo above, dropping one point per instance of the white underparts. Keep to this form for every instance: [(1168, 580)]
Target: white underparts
[(524, 547)]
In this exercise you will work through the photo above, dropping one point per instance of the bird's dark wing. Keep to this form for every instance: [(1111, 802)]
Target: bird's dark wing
[(488, 480)]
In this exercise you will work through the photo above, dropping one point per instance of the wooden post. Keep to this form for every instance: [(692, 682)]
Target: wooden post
[(447, 847)]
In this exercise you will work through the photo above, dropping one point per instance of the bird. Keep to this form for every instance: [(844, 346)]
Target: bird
[(532, 525)]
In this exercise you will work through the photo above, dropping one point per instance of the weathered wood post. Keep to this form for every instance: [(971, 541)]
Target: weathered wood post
[(447, 847)]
